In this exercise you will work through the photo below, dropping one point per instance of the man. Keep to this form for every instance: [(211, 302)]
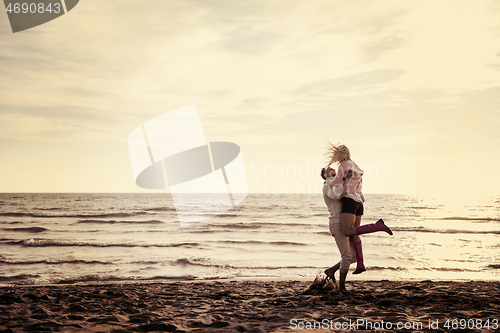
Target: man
[(345, 244)]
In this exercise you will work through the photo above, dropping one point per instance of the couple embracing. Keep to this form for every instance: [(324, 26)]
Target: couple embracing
[(344, 199)]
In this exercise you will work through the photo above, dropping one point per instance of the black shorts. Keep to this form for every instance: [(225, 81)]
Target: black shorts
[(351, 206)]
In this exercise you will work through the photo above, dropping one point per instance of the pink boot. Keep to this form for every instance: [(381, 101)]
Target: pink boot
[(360, 267), (373, 227)]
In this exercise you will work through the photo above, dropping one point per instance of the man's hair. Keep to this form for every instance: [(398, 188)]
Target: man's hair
[(323, 173)]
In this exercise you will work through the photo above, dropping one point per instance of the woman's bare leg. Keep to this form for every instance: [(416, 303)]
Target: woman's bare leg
[(348, 228)]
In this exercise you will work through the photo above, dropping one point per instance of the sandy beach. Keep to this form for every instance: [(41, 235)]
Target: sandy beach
[(251, 306)]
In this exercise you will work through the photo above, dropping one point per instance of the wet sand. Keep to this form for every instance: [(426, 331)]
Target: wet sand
[(250, 306)]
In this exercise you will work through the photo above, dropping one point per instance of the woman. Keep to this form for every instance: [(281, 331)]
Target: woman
[(344, 244), (352, 202)]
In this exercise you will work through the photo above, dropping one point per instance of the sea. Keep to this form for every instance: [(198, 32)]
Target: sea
[(74, 238)]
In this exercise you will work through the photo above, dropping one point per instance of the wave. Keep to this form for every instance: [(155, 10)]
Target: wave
[(271, 207), (382, 268), (20, 277), (421, 207), (227, 215), (30, 229), (302, 216), (207, 263), (255, 225), (238, 225), (485, 219), (101, 278), (29, 279), (160, 209), (447, 269), (118, 222), (261, 242), (51, 243), (439, 269), (12, 222), (18, 214), (55, 262), (445, 231), (146, 262)]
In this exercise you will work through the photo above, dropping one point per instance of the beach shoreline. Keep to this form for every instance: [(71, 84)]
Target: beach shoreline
[(240, 305)]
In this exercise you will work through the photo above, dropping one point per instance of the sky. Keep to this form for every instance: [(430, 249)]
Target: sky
[(411, 87)]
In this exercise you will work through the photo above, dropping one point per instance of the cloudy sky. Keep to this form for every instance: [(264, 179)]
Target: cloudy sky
[(412, 87)]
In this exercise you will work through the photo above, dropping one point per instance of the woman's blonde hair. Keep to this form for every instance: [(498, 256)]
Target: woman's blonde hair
[(337, 153)]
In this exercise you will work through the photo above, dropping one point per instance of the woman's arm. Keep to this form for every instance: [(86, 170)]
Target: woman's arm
[(339, 177)]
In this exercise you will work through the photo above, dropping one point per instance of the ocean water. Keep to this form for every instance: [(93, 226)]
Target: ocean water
[(74, 238)]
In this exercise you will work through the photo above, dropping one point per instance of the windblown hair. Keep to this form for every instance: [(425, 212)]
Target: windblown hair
[(337, 153)]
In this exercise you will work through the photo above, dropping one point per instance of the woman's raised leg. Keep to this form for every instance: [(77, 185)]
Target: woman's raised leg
[(349, 228)]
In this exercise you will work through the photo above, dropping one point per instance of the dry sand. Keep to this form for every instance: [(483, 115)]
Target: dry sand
[(247, 306)]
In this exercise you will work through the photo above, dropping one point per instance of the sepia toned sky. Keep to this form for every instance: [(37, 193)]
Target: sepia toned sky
[(412, 88)]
